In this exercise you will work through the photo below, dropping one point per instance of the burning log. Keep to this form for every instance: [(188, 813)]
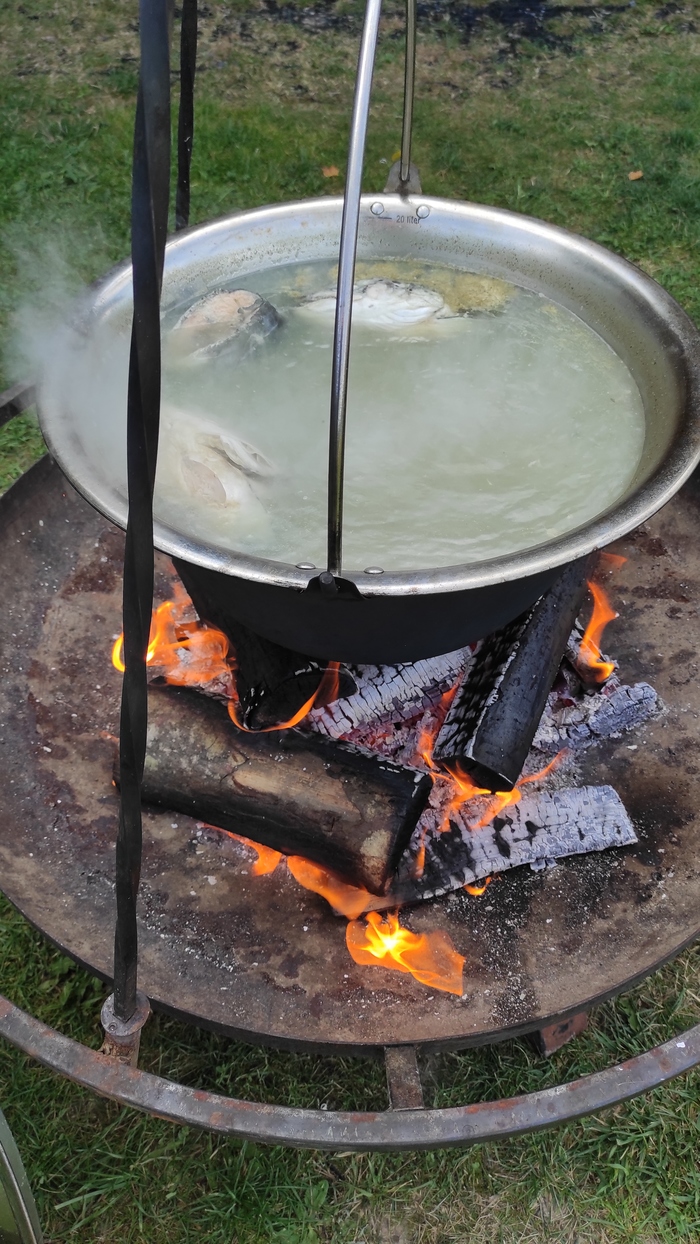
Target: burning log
[(275, 687), (302, 795), (389, 693), (542, 826), (492, 721)]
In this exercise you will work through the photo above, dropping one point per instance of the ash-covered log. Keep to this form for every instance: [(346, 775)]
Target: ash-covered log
[(543, 826), (390, 693), (273, 684), (303, 795), (492, 721)]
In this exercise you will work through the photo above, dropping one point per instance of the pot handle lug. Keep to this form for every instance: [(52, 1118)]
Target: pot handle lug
[(332, 587)]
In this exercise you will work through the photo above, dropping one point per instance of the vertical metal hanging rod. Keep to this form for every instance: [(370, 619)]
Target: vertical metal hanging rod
[(185, 122), (346, 277), (149, 223), (408, 89)]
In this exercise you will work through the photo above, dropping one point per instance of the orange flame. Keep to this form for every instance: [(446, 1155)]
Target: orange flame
[(496, 801), (610, 561), (326, 691), (429, 957), (430, 730), (477, 890), (191, 653), (267, 860), (589, 651), (349, 900)]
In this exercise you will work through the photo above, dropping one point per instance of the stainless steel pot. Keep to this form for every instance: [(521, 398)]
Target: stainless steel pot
[(405, 615)]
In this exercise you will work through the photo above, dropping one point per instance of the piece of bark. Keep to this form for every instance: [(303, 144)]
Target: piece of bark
[(492, 720), (272, 683), (303, 795)]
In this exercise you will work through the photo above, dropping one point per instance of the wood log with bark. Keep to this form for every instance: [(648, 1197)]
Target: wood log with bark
[(349, 811)]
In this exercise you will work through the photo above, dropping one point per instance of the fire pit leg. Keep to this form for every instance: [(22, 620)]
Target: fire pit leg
[(122, 1040), (403, 1077), (548, 1040)]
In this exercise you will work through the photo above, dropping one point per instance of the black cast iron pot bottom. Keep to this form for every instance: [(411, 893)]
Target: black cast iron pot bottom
[(374, 630), (260, 958)]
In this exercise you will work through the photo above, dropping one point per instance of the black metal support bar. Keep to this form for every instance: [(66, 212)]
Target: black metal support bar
[(403, 1077), (185, 123), (334, 1129), (16, 400), (149, 221)]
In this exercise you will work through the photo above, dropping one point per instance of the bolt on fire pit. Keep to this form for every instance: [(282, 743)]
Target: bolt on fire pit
[(283, 995)]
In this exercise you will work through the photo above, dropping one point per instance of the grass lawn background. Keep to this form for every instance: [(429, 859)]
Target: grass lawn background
[(547, 119)]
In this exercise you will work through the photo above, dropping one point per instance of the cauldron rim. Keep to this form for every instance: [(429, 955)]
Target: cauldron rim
[(678, 355)]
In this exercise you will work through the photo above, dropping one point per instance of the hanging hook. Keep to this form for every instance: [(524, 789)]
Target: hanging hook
[(408, 89), (403, 176)]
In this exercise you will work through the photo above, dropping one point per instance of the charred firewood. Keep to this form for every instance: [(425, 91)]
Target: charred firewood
[(390, 693), (544, 825), (273, 683), (492, 721), (303, 795)]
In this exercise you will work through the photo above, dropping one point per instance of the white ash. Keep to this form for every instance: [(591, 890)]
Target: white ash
[(605, 714), (390, 694), (544, 826)]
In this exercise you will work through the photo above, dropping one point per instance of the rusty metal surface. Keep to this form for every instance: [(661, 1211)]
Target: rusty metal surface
[(257, 956), (332, 1129), (548, 1040), (403, 1077)]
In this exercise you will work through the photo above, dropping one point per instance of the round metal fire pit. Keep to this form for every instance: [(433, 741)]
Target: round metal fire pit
[(260, 958), (406, 615)]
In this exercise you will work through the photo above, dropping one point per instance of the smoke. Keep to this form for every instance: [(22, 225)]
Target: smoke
[(81, 377), (47, 274)]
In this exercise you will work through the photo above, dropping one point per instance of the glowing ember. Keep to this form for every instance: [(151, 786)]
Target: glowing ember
[(349, 900), (429, 957), (477, 890), (589, 651)]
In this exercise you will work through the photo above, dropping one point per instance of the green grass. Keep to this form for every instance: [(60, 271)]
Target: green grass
[(549, 130)]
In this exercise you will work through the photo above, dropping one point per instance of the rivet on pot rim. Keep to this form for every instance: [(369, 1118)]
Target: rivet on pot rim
[(423, 211), (305, 566), (373, 570), (376, 209)]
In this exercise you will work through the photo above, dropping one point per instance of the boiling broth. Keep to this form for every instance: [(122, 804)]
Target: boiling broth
[(467, 438)]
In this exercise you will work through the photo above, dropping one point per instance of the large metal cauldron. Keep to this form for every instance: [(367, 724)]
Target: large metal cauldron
[(400, 616)]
